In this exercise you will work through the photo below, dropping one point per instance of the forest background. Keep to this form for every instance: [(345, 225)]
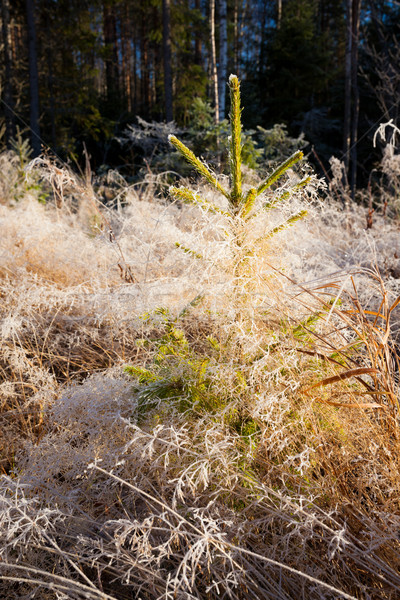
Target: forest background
[(327, 68)]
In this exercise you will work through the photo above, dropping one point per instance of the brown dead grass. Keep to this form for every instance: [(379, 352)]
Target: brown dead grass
[(130, 491)]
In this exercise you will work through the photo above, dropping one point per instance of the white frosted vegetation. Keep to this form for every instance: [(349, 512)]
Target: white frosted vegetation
[(220, 477)]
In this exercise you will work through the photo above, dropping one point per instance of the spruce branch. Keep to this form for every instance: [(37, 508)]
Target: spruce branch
[(290, 221), (248, 202), (142, 374), (200, 167), (275, 175), (286, 195), (189, 197), (188, 250)]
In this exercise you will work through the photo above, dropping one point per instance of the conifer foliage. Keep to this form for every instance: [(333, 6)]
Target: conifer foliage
[(240, 204), (243, 208), (94, 66)]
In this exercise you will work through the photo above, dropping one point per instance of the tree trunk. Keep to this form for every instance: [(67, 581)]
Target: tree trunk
[(144, 70), (50, 76), (347, 84), (279, 15), (223, 57), (350, 128), (197, 39), (126, 55), (244, 18), (8, 83), (355, 94), (112, 63), (33, 78), (136, 99), (214, 60), (166, 18), (262, 61)]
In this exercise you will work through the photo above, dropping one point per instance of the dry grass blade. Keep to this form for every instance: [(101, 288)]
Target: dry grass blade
[(345, 375), (57, 582), (349, 404), (370, 343), (219, 541)]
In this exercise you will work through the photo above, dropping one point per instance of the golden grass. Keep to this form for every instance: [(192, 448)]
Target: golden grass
[(248, 458)]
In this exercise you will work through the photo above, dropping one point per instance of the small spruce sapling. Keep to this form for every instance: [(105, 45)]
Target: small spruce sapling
[(180, 374), (241, 206)]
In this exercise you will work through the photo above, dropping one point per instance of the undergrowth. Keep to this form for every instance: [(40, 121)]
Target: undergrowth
[(221, 422)]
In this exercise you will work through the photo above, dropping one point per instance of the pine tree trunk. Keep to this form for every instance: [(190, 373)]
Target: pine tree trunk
[(136, 98), (166, 18), (144, 70), (279, 15), (50, 76), (33, 78), (214, 60), (244, 19), (112, 63), (355, 94), (352, 96), (197, 39), (126, 55), (262, 61), (223, 57), (8, 83), (347, 83)]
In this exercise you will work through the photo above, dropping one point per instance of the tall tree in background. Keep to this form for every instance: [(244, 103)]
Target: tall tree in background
[(33, 78), (8, 86), (166, 19), (347, 84), (111, 46), (223, 56), (126, 51), (355, 93), (298, 72), (145, 99), (99, 62), (214, 71), (279, 14), (352, 95), (197, 38), (50, 74)]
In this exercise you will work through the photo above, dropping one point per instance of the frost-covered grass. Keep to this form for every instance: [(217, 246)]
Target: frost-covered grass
[(251, 451)]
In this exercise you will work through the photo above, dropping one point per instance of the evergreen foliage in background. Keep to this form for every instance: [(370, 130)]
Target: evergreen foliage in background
[(100, 65)]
